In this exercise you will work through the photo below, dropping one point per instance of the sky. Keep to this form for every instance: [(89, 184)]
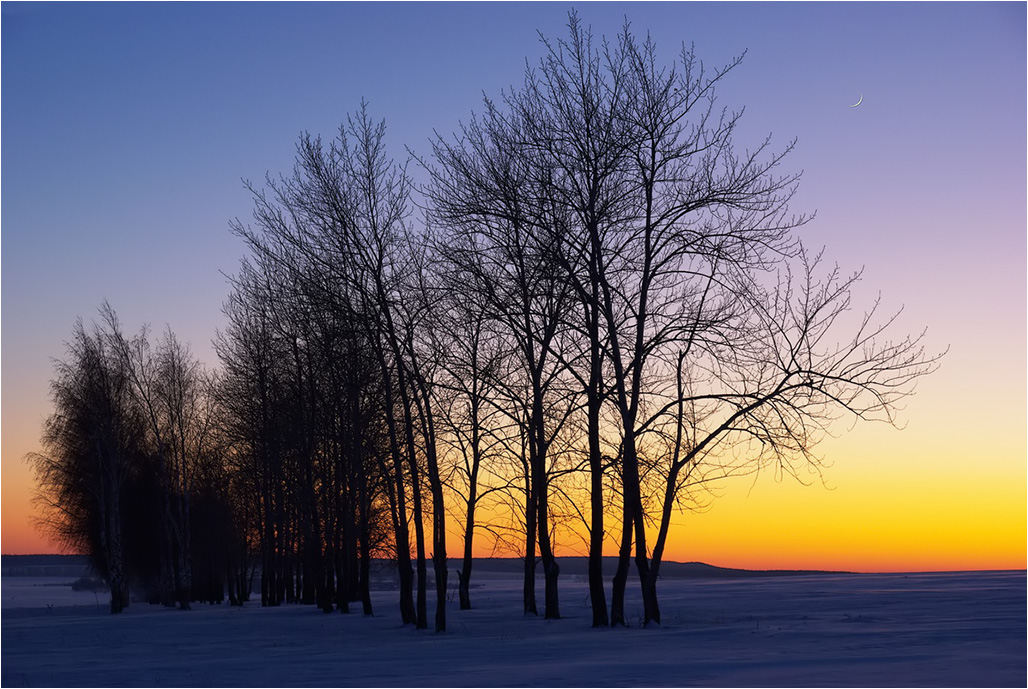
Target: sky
[(128, 130)]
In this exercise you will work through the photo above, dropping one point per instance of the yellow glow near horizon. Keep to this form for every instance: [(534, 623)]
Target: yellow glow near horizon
[(911, 500), (890, 501)]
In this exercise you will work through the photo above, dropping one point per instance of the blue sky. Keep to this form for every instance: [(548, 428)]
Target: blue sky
[(127, 129)]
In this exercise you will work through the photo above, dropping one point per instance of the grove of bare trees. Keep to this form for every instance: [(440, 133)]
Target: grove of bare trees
[(593, 305)]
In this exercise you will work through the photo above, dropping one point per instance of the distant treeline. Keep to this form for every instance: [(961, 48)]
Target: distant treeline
[(385, 568), (72, 566), (593, 307)]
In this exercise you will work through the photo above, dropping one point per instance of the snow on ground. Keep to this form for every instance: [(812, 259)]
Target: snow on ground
[(954, 629), (40, 593)]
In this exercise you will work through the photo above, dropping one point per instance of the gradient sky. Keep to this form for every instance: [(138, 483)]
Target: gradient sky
[(127, 129)]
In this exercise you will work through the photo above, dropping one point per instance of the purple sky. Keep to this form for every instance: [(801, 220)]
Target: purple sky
[(128, 127)]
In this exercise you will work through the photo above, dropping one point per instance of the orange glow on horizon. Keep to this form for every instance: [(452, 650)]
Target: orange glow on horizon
[(877, 514), (20, 536)]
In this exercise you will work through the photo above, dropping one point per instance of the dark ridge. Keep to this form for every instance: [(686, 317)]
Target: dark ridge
[(77, 565), (44, 565), (578, 566)]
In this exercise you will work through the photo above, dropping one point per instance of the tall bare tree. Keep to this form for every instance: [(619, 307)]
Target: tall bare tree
[(339, 224), (90, 443), (483, 189), (468, 352), (623, 176)]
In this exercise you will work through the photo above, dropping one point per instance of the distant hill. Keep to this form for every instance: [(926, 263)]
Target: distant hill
[(78, 565), (578, 566), (44, 565)]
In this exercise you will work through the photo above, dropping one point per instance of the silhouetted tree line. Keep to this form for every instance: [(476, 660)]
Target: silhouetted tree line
[(132, 471), (601, 308)]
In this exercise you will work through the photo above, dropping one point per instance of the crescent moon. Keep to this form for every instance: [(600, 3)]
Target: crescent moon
[(859, 101)]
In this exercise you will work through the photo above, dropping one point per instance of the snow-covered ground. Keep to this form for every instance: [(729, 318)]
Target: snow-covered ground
[(963, 629)]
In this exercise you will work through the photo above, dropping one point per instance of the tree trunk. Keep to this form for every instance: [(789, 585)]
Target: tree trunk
[(115, 557), (399, 503), (651, 608), (360, 475), (552, 603), (403, 565), (620, 583), (185, 544), (439, 554), (529, 588), (551, 570), (464, 575), (647, 578), (419, 536), (597, 599), (328, 584), (441, 576), (342, 571), (537, 457), (343, 582), (464, 586), (365, 571)]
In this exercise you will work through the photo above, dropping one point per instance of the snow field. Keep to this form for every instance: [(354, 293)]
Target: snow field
[(953, 629)]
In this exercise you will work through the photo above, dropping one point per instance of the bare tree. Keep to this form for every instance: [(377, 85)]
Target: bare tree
[(483, 190), (167, 387), (90, 443), (339, 226), (468, 354), (251, 395), (622, 176)]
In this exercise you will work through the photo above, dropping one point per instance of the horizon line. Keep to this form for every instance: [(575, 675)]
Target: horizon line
[(665, 562)]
